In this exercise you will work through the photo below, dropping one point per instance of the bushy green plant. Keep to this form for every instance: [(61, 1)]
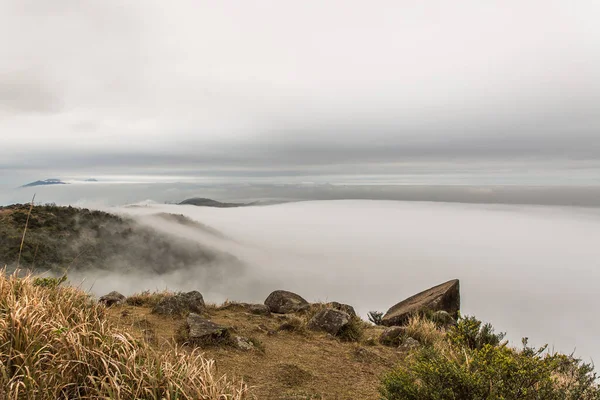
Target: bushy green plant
[(49, 282), (466, 368), (471, 332)]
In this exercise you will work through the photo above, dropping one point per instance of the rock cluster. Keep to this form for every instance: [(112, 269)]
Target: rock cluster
[(440, 304)]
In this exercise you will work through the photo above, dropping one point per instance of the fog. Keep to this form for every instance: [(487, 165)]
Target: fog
[(530, 270)]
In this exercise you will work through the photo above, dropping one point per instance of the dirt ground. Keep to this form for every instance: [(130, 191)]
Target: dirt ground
[(284, 365)]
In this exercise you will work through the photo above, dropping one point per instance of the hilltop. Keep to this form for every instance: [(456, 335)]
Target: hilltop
[(202, 202), (82, 239)]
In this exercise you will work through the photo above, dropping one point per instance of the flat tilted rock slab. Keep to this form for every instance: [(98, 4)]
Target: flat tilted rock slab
[(444, 297)]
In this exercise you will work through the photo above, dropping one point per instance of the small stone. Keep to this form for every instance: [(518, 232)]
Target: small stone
[(243, 343), (409, 344)]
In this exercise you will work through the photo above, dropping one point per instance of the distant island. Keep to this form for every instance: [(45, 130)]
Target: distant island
[(198, 201), (54, 181), (46, 182)]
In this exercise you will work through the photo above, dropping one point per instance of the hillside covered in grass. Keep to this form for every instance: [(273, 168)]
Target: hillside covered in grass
[(58, 238), (57, 342)]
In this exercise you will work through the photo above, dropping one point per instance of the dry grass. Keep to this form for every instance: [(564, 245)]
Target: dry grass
[(147, 298), (56, 343), (425, 331)]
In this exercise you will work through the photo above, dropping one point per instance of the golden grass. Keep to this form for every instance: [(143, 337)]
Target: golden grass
[(56, 343), (425, 331), (147, 298)]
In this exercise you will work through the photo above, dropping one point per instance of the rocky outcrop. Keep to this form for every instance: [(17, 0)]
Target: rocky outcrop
[(284, 302), (203, 331), (329, 320), (444, 297), (180, 304), (348, 309), (112, 298)]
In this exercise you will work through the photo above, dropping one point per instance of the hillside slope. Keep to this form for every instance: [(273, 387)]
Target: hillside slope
[(286, 365), (78, 238)]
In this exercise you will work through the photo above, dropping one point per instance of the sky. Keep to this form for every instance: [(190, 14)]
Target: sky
[(269, 88)]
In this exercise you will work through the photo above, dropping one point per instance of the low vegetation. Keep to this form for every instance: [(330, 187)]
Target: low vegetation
[(471, 362), (69, 238)]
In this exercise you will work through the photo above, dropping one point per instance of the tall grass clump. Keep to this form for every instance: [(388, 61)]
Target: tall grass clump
[(424, 330), (55, 343)]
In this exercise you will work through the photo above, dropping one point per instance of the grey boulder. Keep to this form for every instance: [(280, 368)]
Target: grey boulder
[(180, 303), (284, 302), (112, 298), (329, 320), (204, 331)]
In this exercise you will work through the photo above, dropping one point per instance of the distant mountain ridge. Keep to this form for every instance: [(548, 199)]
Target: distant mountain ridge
[(198, 201), (83, 239), (45, 182)]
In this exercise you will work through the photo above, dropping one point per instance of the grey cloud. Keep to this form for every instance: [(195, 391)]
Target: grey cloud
[(191, 87), (24, 93)]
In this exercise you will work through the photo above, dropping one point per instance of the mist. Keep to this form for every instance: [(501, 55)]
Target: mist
[(529, 270)]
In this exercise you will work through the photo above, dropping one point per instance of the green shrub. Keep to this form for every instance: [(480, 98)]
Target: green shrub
[(471, 332), (466, 368), (49, 282)]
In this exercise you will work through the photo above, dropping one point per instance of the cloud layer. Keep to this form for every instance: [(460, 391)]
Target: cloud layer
[(275, 85)]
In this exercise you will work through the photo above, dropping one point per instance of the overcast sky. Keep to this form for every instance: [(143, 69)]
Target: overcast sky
[(193, 88)]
